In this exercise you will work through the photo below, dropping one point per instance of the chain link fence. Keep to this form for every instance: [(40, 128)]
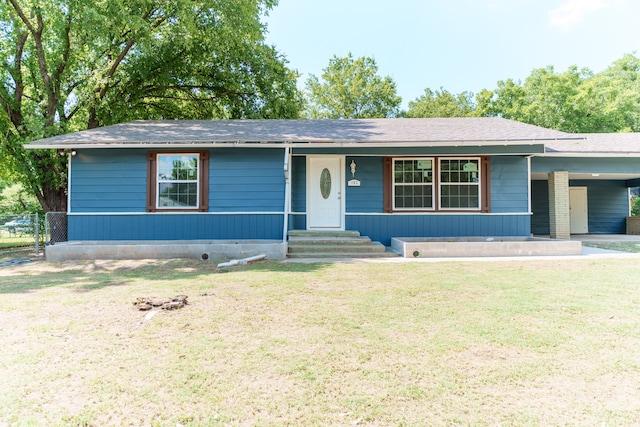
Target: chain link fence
[(20, 234), (55, 227)]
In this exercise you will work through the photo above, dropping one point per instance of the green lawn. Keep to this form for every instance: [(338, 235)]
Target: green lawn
[(17, 246), (616, 246), (16, 240), (271, 344)]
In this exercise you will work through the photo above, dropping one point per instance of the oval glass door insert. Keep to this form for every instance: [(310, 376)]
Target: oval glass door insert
[(325, 183)]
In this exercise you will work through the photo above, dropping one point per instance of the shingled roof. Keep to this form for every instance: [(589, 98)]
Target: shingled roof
[(437, 131), (597, 144)]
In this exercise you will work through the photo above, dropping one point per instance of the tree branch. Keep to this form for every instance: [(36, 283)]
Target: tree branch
[(22, 15), (13, 104), (130, 43)]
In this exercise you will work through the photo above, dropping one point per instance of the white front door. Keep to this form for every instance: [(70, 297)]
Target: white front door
[(579, 214), (324, 192)]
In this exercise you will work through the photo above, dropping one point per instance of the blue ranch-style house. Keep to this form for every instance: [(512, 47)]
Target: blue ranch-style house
[(230, 182)]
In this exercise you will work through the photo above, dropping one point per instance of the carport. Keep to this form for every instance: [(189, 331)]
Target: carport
[(583, 186)]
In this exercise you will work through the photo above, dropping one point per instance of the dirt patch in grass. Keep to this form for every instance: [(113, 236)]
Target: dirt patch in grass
[(495, 343)]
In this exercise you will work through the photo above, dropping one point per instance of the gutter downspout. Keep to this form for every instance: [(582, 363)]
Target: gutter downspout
[(69, 182), (287, 191), (529, 184)]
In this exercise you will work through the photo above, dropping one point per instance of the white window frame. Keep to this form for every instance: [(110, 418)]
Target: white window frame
[(477, 184), (182, 181), (432, 184)]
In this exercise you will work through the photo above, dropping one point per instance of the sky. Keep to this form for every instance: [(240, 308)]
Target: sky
[(458, 45)]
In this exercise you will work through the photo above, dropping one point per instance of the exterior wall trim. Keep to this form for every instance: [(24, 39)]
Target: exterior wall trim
[(176, 213), (456, 213)]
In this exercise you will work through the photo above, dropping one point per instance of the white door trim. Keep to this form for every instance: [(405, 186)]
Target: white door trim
[(314, 189)]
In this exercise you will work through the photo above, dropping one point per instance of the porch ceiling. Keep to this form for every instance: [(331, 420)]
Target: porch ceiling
[(541, 176)]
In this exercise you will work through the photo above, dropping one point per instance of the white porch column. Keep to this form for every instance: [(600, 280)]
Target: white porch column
[(559, 215)]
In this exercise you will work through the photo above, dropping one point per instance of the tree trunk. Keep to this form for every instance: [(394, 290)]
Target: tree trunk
[(92, 122), (56, 199)]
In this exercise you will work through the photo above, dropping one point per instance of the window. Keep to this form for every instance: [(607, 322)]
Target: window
[(436, 184), (460, 184), (177, 181), (413, 184)]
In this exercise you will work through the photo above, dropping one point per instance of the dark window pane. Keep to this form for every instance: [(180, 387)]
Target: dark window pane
[(177, 195)]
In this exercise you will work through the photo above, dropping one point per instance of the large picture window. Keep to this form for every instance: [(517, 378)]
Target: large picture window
[(178, 181), (436, 184)]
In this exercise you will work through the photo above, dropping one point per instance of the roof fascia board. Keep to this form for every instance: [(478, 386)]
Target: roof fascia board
[(270, 144), (589, 154)]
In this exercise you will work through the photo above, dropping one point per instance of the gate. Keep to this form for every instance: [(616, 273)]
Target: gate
[(55, 227), (20, 234)]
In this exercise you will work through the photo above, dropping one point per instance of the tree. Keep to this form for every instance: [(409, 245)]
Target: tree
[(572, 101), (351, 89), (545, 99), (611, 99), (15, 200), (441, 103), (68, 65)]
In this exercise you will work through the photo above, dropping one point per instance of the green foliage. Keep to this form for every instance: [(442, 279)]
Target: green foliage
[(635, 206), (572, 101), (68, 65), (350, 88), (441, 103), (15, 200)]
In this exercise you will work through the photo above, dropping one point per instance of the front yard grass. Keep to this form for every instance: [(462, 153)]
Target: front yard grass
[(17, 245), (616, 246), (270, 344)]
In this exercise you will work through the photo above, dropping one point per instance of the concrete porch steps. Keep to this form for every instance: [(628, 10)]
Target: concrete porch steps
[(334, 244)]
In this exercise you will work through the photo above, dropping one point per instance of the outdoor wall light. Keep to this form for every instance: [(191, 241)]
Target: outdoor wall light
[(353, 182)]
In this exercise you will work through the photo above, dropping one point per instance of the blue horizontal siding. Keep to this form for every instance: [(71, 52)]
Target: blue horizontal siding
[(115, 180), (540, 208), (383, 227), (246, 179), (299, 184), (607, 205), (110, 180), (175, 227), (509, 184), (368, 197)]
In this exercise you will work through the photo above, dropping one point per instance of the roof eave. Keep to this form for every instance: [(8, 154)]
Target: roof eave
[(595, 154), (292, 143)]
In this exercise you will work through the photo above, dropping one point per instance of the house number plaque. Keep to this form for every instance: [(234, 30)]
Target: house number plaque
[(325, 183)]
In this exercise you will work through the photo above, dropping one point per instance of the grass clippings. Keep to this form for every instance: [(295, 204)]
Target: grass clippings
[(271, 344)]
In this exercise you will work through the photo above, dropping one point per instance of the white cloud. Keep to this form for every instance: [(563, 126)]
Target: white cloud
[(572, 12)]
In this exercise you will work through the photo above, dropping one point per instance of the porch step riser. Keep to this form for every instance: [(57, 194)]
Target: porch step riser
[(318, 234), (344, 255), (334, 244), (310, 249), (328, 241)]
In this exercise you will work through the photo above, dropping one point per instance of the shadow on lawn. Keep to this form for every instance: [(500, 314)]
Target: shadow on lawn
[(86, 276)]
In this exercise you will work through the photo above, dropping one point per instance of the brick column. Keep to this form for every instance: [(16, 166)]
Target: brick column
[(559, 217)]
